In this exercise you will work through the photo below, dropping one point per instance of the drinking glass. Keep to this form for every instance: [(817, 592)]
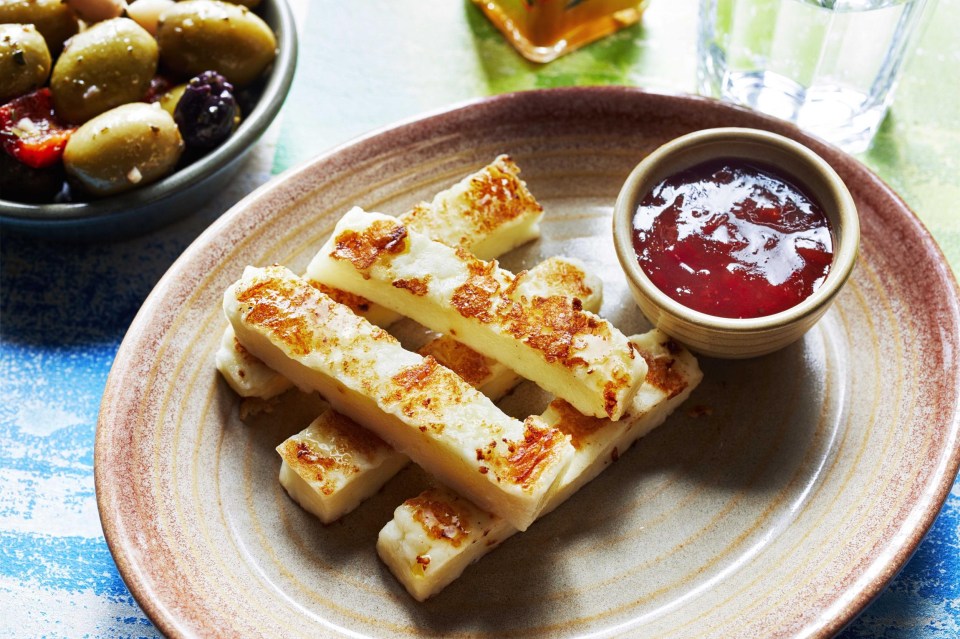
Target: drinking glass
[(830, 66)]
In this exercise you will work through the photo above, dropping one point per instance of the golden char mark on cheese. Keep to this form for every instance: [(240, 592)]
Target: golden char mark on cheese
[(344, 445), (333, 465), (423, 391), (349, 438), (575, 424), (275, 306), (554, 276), (525, 459), (565, 276), (612, 388), (661, 372), (303, 456), (416, 285), (493, 197), (282, 308), (243, 353), (503, 188), (357, 303), (538, 448), (473, 367), (440, 518), (552, 325), (364, 249), (475, 297)]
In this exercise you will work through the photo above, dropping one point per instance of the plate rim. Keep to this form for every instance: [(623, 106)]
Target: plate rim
[(894, 559)]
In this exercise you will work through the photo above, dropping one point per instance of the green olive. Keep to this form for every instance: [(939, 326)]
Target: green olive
[(203, 35), (123, 149), (52, 18), (109, 64), (24, 60), (168, 101)]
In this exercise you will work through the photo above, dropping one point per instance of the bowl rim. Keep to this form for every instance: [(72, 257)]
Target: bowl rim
[(251, 128), (847, 236)]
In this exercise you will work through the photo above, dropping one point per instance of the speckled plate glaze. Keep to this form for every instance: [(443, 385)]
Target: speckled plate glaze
[(777, 502)]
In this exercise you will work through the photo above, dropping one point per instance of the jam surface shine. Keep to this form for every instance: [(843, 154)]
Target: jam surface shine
[(732, 239)]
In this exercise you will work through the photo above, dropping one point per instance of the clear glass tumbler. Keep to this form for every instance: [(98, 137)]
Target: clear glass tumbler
[(830, 66)]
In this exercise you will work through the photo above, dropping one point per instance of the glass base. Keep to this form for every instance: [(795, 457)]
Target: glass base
[(837, 114)]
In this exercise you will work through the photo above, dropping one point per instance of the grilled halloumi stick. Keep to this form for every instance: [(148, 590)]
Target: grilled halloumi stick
[(419, 407), (245, 373), (554, 276), (551, 341), (436, 535), (334, 464), (489, 213)]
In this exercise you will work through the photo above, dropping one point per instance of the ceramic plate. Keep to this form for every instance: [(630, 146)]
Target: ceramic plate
[(777, 502)]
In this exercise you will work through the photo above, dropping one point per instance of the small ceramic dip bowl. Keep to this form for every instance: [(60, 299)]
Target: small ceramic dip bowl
[(735, 273)]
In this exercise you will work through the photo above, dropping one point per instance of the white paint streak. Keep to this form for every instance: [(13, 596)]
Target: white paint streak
[(42, 420), (62, 505), (44, 612)]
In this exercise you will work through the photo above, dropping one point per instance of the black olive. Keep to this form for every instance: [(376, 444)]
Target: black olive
[(207, 112)]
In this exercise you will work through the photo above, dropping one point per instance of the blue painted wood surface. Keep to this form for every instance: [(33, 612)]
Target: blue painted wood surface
[(64, 308)]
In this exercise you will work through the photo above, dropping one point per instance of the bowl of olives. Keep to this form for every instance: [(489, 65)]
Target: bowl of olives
[(120, 116)]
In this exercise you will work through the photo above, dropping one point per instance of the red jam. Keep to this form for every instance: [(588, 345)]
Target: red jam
[(732, 239)]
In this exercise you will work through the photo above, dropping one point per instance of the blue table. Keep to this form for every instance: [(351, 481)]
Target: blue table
[(65, 307)]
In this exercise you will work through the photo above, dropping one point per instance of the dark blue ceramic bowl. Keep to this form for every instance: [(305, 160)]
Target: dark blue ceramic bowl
[(181, 193)]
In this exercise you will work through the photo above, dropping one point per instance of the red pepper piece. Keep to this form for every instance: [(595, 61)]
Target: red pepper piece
[(30, 131)]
